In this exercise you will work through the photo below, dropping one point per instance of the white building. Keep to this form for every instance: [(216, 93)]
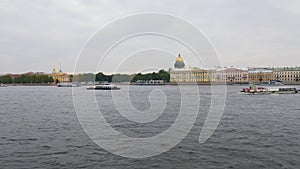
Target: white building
[(287, 75), (232, 75)]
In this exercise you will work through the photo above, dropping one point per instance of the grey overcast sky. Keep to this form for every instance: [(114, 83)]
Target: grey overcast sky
[(38, 34)]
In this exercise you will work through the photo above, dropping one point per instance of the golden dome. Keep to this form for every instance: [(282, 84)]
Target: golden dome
[(179, 59), (179, 64)]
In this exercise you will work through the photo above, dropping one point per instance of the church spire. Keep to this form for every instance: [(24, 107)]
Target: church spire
[(53, 70)]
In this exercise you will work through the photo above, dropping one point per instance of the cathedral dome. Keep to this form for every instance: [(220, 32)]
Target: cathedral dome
[(179, 59), (179, 64)]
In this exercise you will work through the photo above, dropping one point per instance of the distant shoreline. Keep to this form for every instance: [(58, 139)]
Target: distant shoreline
[(167, 84), (31, 84)]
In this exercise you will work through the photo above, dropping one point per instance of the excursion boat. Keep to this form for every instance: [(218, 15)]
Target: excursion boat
[(104, 87), (263, 90), (284, 90)]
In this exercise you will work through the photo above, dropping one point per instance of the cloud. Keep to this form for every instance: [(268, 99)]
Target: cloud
[(35, 35)]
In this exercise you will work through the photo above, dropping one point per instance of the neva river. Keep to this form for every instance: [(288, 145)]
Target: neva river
[(39, 129)]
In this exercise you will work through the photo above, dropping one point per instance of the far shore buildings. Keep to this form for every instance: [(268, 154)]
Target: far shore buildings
[(232, 75), (287, 75), (60, 76), (180, 74), (260, 75)]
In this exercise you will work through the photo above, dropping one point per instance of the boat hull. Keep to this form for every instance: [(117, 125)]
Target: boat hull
[(263, 90), (104, 87)]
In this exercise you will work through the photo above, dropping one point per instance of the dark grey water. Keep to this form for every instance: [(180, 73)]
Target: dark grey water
[(39, 129)]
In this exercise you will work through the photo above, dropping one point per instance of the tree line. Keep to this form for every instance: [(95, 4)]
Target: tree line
[(161, 75), (26, 78), (86, 77)]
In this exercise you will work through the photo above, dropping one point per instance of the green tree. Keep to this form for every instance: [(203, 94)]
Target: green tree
[(36, 78), (27, 78), (161, 75), (85, 77), (46, 79), (6, 79), (164, 75), (121, 78), (102, 77), (18, 79)]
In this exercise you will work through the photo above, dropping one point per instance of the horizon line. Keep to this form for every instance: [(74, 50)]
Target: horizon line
[(129, 73)]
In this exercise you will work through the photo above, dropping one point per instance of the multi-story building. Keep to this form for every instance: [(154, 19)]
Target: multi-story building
[(212, 74), (287, 75), (232, 75), (180, 74), (260, 75), (195, 75)]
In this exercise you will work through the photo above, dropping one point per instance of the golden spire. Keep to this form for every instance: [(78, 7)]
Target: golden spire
[(53, 70), (179, 58)]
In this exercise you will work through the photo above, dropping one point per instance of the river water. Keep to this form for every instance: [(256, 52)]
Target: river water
[(39, 128)]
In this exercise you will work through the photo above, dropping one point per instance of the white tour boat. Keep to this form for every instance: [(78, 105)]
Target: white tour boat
[(104, 87)]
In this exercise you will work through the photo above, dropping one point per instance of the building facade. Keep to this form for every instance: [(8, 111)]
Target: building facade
[(189, 76), (287, 75), (232, 75), (60, 76), (180, 74), (260, 75)]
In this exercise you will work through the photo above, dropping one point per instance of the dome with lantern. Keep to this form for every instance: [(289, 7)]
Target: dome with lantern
[(179, 64)]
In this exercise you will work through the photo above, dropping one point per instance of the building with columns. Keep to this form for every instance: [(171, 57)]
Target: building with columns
[(260, 75), (287, 75), (180, 74), (60, 76), (232, 75)]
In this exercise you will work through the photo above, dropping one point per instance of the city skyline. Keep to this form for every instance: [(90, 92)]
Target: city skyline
[(187, 68)]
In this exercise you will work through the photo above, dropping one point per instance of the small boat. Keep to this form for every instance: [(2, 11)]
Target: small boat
[(3, 85), (263, 90), (75, 84), (276, 83), (104, 87)]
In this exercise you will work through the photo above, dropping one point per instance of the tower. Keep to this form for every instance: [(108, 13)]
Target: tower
[(53, 70)]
